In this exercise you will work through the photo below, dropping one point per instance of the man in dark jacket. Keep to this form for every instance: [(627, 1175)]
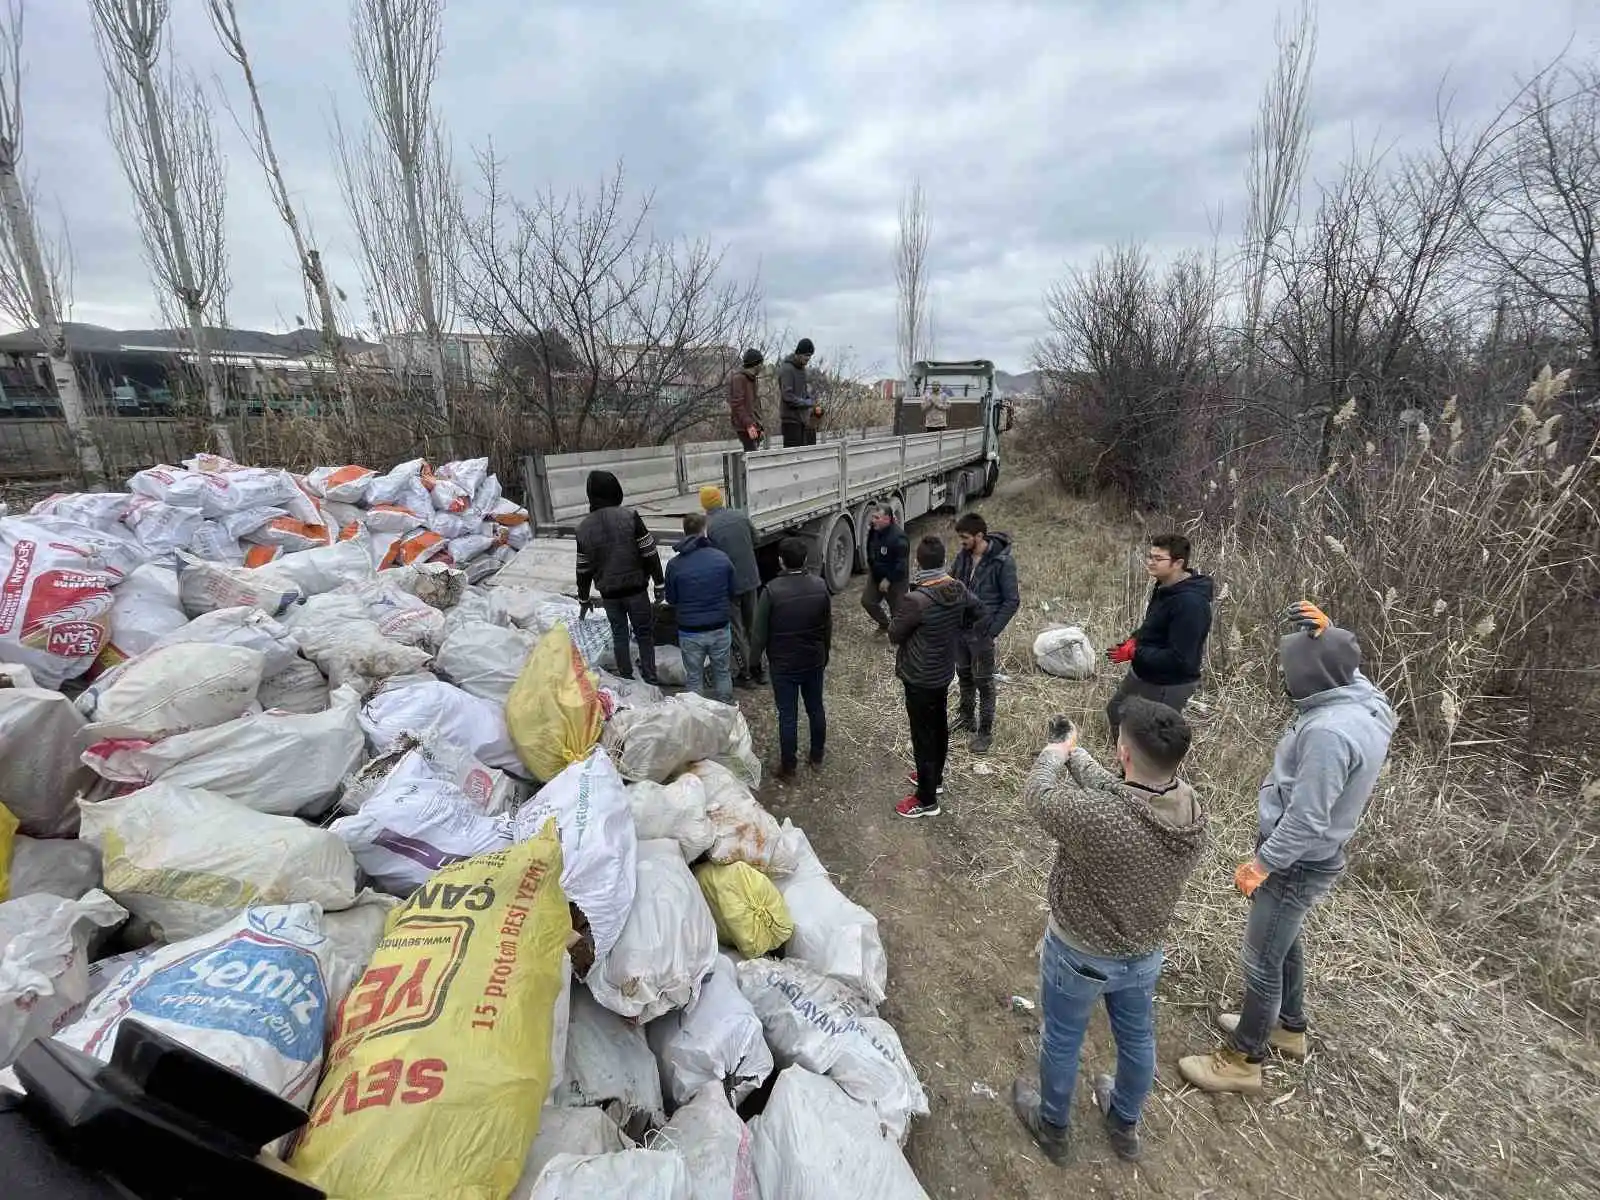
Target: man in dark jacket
[(744, 408), (1166, 651), (730, 531), (796, 409), (794, 626), (985, 565), (888, 552), (936, 614), (617, 555), (700, 589)]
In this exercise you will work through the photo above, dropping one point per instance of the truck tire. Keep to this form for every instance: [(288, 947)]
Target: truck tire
[(991, 480), (838, 546), (859, 517)]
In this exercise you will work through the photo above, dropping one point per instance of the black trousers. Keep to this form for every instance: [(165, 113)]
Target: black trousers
[(928, 712), (798, 433), (1173, 695), (742, 619), (874, 601), (634, 610)]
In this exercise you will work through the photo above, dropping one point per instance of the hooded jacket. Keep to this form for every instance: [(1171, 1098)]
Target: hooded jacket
[(1172, 641), (730, 531), (888, 553), (927, 628), (616, 553), (742, 406), (794, 392), (699, 585), (1123, 853), (993, 579), (1328, 760)]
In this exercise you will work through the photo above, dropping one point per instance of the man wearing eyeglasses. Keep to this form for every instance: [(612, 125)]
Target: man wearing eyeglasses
[(1164, 654)]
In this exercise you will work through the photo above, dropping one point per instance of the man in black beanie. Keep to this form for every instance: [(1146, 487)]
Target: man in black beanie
[(797, 410)]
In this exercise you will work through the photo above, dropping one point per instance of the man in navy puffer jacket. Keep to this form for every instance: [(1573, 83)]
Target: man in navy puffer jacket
[(700, 588)]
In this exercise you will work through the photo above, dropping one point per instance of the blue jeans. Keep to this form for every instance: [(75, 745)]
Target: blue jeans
[(787, 692), (1273, 959), (1070, 981), (713, 647)]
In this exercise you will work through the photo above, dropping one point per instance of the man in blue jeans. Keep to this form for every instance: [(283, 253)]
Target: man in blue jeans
[(1323, 772), (794, 628), (700, 587), (1125, 849)]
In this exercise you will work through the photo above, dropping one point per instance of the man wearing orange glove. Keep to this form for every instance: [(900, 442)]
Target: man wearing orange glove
[(1323, 772), (1163, 656)]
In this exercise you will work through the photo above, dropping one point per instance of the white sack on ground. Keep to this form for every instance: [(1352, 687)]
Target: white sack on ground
[(144, 609), (656, 743), (247, 627), (66, 867), (667, 946), (484, 660), (715, 1043), (228, 994), (271, 762), (55, 613), (335, 632), (675, 810), (826, 1027), (298, 688), (746, 832), (412, 826), (813, 1142), (40, 775), (579, 1131), (431, 708), (1064, 651), (44, 962), (176, 689), (608, 1059), (636, 1174), (327, 567), (97, 510), (832, 934), (629, 693), (161, 528), (206, 586), (715, 1145), (670, 671), (738, 752), (488, 791), (187, 860), (599, 846), (400, 615)]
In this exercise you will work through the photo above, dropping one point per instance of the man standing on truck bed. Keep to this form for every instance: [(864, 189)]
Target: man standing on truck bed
[(935, 409), (617, 555), (985, 565), (744, 406), (1165, 652), (730, 531), (936, 614), (700, 589), (797, 411), (888, 554)]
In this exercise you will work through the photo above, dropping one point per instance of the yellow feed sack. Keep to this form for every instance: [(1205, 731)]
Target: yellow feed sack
[(8, 840), (747, 907), (553, 713), (441, 1052)]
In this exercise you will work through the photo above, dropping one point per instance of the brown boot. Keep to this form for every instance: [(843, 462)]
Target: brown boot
[(1223, 1070), (1291, 1043)]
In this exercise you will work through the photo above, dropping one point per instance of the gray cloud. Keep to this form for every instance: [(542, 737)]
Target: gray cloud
[(1043, 131)]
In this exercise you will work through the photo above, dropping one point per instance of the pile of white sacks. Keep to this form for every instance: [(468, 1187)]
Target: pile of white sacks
[(203, 755)]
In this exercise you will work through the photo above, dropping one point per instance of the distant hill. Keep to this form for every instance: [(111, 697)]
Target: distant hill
[(1007, 384), (97, 339)]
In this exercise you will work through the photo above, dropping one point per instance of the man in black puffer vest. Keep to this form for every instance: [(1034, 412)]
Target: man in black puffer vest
[(618, 555), (794, 627)]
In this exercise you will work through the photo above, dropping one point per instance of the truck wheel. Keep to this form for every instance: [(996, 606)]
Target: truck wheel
[(991, 480), (860, 519), (838, 554)]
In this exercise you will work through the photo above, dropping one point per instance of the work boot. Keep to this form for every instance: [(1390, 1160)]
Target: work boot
[(785, 772), (1223, 1070), (981, 741), (1052, 1139), (1124, 1138), (963, 723), (1291, 1043)]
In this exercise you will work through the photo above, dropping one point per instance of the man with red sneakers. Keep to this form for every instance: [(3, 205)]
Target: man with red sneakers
[(1164, 653), (927, 628)]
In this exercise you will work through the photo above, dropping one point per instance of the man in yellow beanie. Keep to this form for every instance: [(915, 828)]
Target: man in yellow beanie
[(730, 531)]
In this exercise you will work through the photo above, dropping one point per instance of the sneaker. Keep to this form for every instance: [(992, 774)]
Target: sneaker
[(1291, 1043), (1223, 1070), (911, 778), (981, 742), (1052, 1139), (912, 807), (1124, 1139)]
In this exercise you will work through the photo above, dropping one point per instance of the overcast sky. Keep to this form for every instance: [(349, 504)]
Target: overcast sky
[(1043, 131)]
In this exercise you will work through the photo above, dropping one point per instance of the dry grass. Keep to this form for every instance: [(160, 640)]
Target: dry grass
[(1434, 1072)]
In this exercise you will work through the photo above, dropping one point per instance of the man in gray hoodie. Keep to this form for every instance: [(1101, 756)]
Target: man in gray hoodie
[(1323, 773)]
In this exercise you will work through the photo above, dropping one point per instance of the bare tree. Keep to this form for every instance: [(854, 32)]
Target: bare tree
[(397, 177), (319, 296), (32, 274), (1278, 149), (161, 125), (606, 331), (913, 323)]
